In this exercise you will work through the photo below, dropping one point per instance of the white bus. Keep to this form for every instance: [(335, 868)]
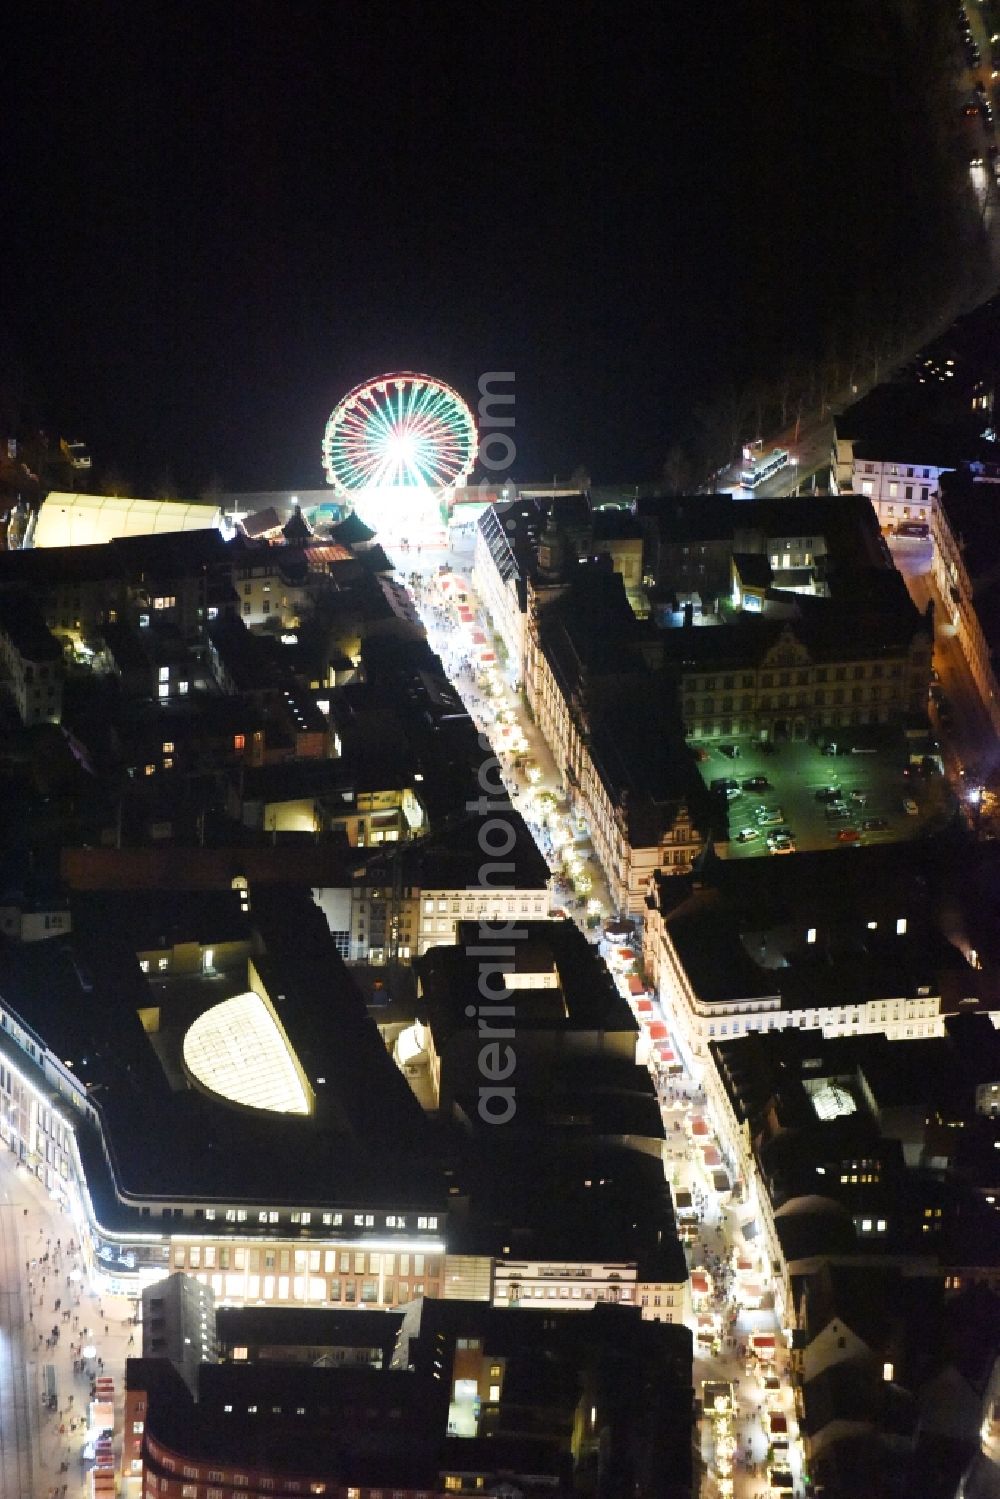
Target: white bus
[(759, 469)]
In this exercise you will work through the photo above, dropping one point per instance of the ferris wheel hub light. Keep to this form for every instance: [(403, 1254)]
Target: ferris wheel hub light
[(401, 445)]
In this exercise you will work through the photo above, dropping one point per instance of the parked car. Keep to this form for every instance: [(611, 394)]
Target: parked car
[(724, 783), (910, 807), (829, 794), (747, 835), (861, 797), (769, 817), (874, 824), (757, 783), (848, 835), (782, 846), (838, 814)]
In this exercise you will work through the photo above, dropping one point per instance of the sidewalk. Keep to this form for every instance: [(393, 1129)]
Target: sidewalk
[(452, 641), (83, 1320)]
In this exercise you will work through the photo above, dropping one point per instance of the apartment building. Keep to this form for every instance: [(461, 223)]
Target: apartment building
[(32, 660), (754, 946), (589, 664), (835, 662), (506, 545)]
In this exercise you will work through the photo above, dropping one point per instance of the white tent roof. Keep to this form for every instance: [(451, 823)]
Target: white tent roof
[(84, 519)]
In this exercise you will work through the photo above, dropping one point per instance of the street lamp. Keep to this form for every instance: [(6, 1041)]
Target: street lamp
[(974, 796)]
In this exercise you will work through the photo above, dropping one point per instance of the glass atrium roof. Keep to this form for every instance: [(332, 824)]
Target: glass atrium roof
[(235, 1049)]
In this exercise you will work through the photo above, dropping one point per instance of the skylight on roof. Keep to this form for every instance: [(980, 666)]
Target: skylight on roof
[(235, 1049), (831, 1101)]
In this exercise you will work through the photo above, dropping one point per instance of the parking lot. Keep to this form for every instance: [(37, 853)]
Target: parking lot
[(796, 772)]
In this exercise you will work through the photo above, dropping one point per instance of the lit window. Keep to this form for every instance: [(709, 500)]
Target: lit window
[(164, 673), (887, 1371), (138, 1427), (182, 688), (168, 746), (238, 741), (901, 926), (494, 1392), (163, 964), (168, 762), (144, 964)]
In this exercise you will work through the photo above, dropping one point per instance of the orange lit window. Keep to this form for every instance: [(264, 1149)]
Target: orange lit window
[(238, 741)]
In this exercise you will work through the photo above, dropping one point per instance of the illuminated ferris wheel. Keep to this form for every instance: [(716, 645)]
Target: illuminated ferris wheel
[(401, 431)]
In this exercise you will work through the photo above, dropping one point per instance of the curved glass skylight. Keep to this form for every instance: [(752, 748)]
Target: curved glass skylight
[(235, 1049)]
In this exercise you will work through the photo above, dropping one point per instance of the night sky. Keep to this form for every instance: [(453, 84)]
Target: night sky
[(219, 218)]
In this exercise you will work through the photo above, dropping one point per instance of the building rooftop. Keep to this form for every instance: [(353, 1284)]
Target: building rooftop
[(452, 858), (847, 1168), (265, 1330), (615, 525), (21, 621), (583, 996), (741, 929), (169, 1140), (906, 422), (570, 1202), (352, 531), (287, 1419)]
